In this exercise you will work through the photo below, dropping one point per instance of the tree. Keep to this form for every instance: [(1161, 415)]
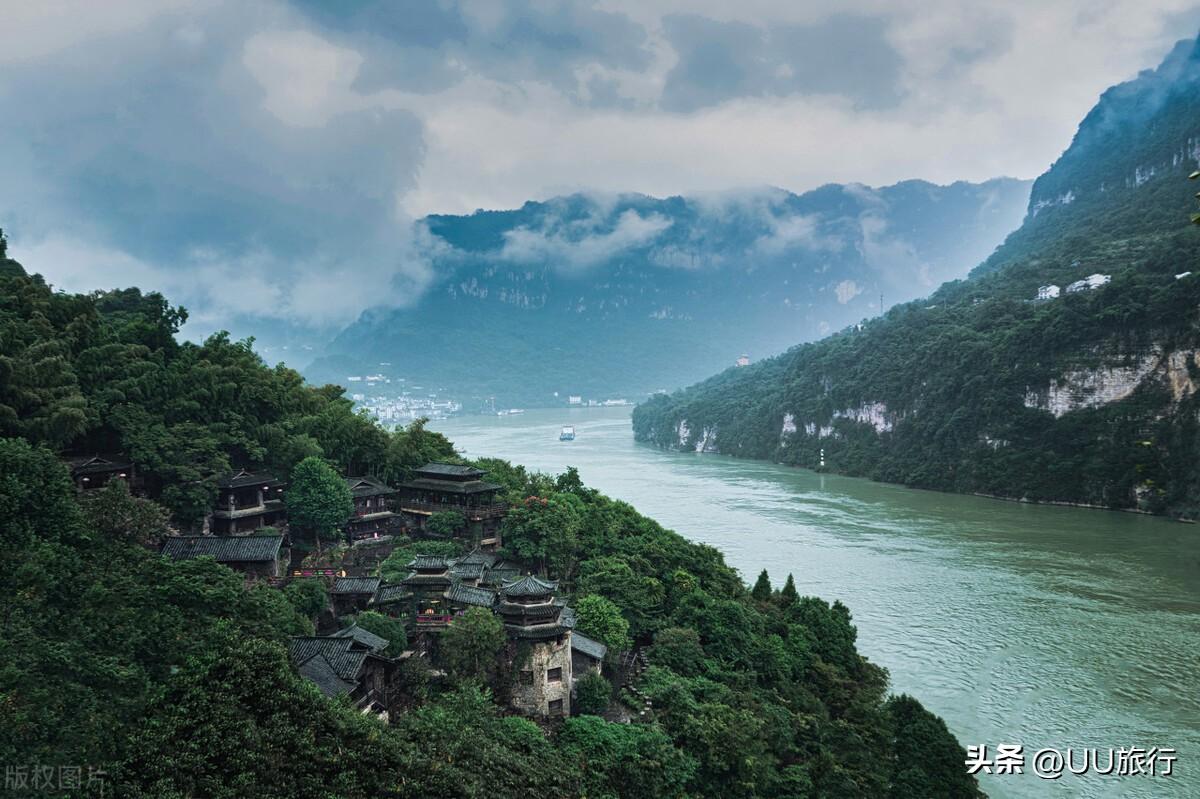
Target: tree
[(318, 500), (395, 567), (385, 627), (471, 645), (592, 693), (308, 597), (114, 512), (678, 649), (599, 618), (446, 523), (762, 588), (625, 761), (788, 595)]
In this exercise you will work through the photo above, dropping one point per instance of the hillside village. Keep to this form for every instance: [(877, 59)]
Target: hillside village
[(247, 530)]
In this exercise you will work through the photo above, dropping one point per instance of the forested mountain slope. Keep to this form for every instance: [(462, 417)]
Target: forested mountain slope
[(166, 679), (1088, 397), (605, 296)]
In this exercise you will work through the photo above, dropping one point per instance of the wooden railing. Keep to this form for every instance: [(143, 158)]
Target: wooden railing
[(472, 512)]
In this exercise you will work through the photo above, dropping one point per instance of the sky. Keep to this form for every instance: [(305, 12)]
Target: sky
[(267, 160)]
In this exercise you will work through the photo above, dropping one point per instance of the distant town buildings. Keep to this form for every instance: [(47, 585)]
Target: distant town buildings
[(574, 399), (1048, 292)]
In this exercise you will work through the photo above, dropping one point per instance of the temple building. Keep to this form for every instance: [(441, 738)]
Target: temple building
[(94, 471), (247, 501), (427, 584), (439, 487), (373, 514), (256, 555), (532, 616)]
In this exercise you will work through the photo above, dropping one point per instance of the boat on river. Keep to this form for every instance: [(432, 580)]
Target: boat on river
[(567, 434)]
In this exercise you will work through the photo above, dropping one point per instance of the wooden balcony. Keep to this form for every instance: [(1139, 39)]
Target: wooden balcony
[(474, 513)]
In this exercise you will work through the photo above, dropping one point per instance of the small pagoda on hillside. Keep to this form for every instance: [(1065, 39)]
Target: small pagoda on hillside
[(439, 487), (532, 615)]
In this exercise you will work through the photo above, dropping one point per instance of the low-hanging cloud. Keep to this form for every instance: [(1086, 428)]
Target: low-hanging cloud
[(268, 160)]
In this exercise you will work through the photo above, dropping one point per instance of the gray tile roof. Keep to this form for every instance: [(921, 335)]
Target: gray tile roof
[(427, 562), (450, 470), (344, 654), (376, 643), (244, 478), (470, 595), (356, 585), (567, 617), (588, 646), (223, 549), (390, 593), (470, 571), (367, 487), (529, 585), (318, 670)]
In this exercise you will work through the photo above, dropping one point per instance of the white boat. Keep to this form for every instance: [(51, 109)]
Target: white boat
[(567, 434)]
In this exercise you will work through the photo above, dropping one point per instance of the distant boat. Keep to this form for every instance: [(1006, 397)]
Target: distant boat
[(567, 434), (516, 410)]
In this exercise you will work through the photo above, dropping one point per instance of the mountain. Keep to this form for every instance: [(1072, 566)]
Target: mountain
[(1088, 397), (606, 296)]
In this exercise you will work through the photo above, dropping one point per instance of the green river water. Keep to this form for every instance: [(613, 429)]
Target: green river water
[(1020, 624)]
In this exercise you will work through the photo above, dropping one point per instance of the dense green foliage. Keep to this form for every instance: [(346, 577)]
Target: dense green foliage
[(601, 619), (318, 500), (387, 627), (592, 693), (982, 389), (174, 676)]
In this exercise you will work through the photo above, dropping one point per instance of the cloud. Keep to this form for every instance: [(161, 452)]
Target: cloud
[(579, 244), (266, 161), (846, 291)]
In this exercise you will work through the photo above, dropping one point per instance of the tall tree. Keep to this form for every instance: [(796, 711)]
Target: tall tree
[(599, 618), (788, 595), (762, 588), (318, 500)]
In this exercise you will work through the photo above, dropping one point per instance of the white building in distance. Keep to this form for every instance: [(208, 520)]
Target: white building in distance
[(1048, 292), (1088, 283)]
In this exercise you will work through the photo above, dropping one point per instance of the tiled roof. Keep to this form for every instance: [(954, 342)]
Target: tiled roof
[(96, 464), (375, 643), (485, 559), (324, 676), (245, 478), (356, 585), (344, 654), (588, 646), (390, 593), (451, 486), (427, 562), (529, 586), (367, 487), (223, 549), (469, 571), (450, 470), (470, 595), (567, 617)]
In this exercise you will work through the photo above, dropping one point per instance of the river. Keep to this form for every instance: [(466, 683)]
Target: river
[(1019, 624)]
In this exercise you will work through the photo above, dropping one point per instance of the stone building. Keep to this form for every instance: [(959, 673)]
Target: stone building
[(532, 618)]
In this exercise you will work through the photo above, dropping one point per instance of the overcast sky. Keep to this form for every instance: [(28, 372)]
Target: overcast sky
[(268, 158)]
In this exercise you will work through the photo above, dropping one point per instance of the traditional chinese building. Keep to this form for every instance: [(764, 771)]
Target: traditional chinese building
[(373, 509), (532, 618), (247, 501), (349, 662), (427, 584), (353, 594), (95, 471), (439, 487), (258, 555)]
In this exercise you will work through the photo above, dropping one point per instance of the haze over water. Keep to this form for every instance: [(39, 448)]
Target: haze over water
[(1043, 626)]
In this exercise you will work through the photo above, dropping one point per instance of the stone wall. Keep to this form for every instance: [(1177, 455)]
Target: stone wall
[(534, 692)]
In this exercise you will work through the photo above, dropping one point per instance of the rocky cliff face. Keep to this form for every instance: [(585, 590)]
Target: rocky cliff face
[(1087, 398)]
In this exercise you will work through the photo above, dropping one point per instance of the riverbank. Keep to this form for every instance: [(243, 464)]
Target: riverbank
[(971, 604)]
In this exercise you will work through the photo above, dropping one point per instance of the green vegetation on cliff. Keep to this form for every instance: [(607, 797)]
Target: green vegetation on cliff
[(1089, 397)]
